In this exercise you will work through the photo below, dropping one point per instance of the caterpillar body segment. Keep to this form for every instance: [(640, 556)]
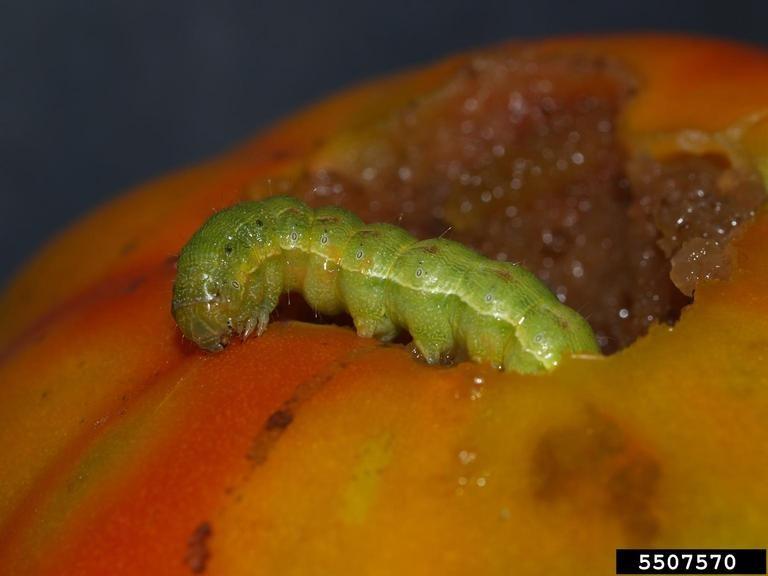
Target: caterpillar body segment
[(449, 298)]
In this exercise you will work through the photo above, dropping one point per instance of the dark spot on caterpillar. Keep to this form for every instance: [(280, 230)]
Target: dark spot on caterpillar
[(430, 249), (259, 223), (279, 419), (228, 249), (593, 461), (197, 548), (359, 254)]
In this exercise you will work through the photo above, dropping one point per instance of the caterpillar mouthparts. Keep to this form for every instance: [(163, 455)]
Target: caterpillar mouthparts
[(233, 270)]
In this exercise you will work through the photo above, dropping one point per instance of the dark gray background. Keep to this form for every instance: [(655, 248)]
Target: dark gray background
[(97, 96)]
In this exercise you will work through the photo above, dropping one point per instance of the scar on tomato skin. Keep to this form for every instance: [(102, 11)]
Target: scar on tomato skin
[(595, 461), (129, 247), (273, 428), (281, 419), (133, 285), (198, 553)]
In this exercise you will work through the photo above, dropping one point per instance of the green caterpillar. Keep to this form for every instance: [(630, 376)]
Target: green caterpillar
[(233, 270)]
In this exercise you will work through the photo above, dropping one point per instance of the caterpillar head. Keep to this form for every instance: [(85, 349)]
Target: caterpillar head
[(210, 284)]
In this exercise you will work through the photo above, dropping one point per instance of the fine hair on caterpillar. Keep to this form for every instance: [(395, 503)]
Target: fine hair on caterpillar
[(450, 299)]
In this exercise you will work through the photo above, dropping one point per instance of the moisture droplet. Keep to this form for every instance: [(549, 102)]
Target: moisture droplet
[(405, 173), (577, 269), (623, 313), (369, 173), (466, 457)]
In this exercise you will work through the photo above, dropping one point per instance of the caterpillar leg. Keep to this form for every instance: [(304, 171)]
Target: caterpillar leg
[(381, 328), (364, 298), (262, 296), (436, 347), (257, 322), (432, 334), (484, 337), (427, 317)]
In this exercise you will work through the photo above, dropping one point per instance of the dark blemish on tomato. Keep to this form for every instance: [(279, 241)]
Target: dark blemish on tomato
[(594, 461), (280, 419), (133, 285), (273, 429), (129, 247), (198, 553)]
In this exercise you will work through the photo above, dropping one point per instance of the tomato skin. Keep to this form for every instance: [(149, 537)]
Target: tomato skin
[(127, 450)]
